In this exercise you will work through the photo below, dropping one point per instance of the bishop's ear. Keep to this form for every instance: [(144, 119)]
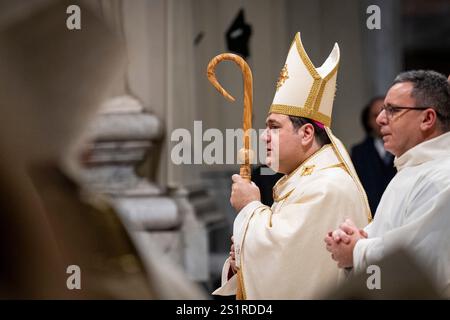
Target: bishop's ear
[(307, 134)]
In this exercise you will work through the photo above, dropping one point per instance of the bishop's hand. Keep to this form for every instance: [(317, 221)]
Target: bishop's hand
[(233, 268), (243, 192)]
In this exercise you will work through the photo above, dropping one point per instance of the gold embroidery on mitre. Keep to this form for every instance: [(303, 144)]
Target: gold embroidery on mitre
[(305, 58), (284, 75), (300, 111)]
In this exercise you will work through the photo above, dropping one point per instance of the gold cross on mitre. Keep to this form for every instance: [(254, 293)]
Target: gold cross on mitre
[(284, 75)]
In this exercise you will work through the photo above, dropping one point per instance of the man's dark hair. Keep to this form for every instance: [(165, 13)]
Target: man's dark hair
[(431, 89), (365, 114), (319, 133)]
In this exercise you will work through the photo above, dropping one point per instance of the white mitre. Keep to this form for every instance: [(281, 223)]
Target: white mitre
[(303, 90)]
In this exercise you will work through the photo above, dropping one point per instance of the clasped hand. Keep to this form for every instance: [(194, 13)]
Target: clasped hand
[(341, 242)]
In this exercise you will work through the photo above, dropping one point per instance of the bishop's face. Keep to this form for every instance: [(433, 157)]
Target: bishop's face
[(284, 152)]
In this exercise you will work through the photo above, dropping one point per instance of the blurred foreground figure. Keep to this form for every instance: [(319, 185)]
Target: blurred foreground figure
[(51, 80)]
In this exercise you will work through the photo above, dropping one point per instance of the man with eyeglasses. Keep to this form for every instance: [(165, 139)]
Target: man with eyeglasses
[(414, 211)]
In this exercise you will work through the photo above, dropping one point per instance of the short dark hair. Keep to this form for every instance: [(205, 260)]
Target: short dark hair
[(319, 133), (431, 89), (365, 114)]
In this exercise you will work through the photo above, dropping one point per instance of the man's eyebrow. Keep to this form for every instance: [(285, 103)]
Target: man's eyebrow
[(391, 105), (270, 121)]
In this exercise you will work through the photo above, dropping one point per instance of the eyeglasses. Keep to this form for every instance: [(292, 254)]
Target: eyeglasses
[(392, 110)]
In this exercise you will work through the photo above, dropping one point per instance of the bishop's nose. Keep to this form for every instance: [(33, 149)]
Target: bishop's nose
[(265, 136)]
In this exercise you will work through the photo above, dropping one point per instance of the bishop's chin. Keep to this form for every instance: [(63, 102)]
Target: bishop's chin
[(272, 163), (268, 160)]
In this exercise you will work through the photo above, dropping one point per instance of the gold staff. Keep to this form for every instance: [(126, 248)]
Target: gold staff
[(244, 171)]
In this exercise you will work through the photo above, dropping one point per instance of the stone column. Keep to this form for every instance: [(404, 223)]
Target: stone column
[(122, 136)]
